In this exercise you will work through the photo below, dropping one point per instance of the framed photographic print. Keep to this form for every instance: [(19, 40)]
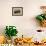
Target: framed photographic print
[(17, 11)]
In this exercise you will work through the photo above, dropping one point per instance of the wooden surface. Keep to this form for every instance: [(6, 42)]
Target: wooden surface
[(30, 45)]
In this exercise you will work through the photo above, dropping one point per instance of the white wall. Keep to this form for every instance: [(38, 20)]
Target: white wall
[(25, 24)]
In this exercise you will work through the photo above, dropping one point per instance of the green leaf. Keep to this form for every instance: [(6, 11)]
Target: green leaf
[(45, 16), (40, 18)]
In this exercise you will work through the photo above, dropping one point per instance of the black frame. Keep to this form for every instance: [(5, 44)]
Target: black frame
[(17, 7)]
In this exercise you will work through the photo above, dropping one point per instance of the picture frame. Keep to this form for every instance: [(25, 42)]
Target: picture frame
[(17, 11)]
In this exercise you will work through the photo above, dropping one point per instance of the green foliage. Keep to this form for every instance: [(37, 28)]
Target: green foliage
[(41, 17), (45, 17), (11, 31)]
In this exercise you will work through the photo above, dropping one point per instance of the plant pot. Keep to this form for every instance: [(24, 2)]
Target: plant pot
[(43, 23), (13, 38), (9, 41)]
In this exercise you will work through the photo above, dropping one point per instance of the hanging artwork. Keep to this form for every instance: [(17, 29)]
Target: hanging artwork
[(17, 11)]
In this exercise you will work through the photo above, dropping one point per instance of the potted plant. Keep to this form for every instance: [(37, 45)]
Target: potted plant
[(42, 17), (10, 31)]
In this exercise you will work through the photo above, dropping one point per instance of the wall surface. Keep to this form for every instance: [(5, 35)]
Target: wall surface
[(25, 24)]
